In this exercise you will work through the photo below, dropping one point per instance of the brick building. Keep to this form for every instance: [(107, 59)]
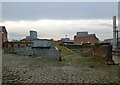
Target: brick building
[(17, 44), (84, 37), (29, 41), (3, 36)]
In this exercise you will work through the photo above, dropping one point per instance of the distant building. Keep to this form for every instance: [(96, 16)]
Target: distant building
[(84, 37), (108, 41), (3, 36), (17, 44), (57, 43), (37, 43), (33, 34), (28, 39), (66, 41), (42, 43), (111, 41), (82, 33)]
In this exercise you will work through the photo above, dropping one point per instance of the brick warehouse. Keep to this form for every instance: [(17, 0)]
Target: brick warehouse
[(3, 36), (84, 37)]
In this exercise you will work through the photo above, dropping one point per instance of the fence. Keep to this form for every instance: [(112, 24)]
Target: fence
[(101, 51)]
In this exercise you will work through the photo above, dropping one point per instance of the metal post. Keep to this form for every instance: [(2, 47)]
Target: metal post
[(114, 32), (60, 55), (117, 37)]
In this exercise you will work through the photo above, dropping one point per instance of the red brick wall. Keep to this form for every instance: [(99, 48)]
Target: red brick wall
[(18, 44), (3, 38), (0, 40), (85, 39)]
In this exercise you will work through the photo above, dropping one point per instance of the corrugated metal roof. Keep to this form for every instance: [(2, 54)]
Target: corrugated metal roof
[(3, 29)]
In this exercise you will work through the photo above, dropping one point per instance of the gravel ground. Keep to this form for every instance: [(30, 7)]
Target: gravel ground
[(23, 69)]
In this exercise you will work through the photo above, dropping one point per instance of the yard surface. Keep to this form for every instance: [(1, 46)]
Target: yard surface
[(73, 69)]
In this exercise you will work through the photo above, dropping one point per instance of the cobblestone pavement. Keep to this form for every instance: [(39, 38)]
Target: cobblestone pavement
[(23, 69)]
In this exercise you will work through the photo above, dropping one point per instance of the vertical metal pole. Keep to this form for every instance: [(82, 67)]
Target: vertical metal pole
[(117, 37), (114, 32), (118, 40)]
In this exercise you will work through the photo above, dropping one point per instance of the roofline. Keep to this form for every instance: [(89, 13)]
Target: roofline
[(18, 42), (3, 29)]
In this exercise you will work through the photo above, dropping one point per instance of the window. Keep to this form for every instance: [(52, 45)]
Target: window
[(12, 45)]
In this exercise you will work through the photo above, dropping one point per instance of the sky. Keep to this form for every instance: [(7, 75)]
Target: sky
[(57, 19)]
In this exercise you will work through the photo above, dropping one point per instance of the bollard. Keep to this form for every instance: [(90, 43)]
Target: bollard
[(83, 82), (60, 55)]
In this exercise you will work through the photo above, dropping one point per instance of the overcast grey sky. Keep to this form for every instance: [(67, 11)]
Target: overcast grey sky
[(56, 19), (58, 10)]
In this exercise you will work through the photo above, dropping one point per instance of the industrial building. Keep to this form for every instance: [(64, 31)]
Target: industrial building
[(115, 41), (116, 36), (29, 41), (66, 41), (36, 41), (108, 41), (3, 36), (17, 44), (42, 43), (31, 45), (83, 38), (32, 36), (56, 43), (62, 41)]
